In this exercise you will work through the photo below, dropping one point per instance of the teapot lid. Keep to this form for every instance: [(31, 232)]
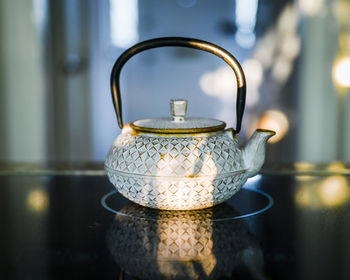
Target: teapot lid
[(178, 123)]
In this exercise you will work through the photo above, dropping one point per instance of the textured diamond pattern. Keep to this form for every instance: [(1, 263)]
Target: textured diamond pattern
[(174, 156), (176, 173), (179, 244), (176, 194)]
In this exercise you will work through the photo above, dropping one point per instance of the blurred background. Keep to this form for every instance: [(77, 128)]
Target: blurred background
[(56, 58)]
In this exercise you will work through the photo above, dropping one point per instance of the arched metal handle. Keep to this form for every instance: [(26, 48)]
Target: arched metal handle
[(179, 42)]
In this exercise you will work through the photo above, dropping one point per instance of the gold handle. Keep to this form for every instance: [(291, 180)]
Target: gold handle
[(179, 42)]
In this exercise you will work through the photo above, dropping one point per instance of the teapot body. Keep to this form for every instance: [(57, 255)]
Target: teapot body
[(176, 172)]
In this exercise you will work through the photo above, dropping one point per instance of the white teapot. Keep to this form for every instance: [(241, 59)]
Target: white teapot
[(180, 163)]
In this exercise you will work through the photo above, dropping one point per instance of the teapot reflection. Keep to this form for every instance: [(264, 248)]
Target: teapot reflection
[(157, 244)]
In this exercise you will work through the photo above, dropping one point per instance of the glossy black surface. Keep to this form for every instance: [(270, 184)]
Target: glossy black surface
[(54, 227)]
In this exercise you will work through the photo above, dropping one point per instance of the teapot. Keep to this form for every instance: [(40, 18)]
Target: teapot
[(180, 163)]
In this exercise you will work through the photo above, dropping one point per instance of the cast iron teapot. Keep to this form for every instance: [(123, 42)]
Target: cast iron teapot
[(180, 163)]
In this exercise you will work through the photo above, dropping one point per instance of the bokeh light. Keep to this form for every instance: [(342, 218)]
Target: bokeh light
[(336, 166), (254, 74), (38, 200), (304, 166), (277, 121), (334, 191), (318, 193), (311, 7), (246, 11), (341, 72), (220, 83)]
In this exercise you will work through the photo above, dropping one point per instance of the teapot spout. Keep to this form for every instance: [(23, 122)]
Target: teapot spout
[(254, 151)]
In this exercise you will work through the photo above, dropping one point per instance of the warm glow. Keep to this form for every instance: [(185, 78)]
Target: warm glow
[(127, 129), (181, 241), (318, 193), (341, 72), (220, 83), (277, 121), (303, 178), (191, 168), (38, 201), (304, 166), (334, 191), (303, 197), (336, 166), (311, 7), (208, 167)]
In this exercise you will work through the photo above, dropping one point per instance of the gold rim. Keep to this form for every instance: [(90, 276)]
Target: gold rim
[(179, 131)]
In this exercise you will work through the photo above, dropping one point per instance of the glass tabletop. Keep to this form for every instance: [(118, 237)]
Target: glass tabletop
[(58, 227)]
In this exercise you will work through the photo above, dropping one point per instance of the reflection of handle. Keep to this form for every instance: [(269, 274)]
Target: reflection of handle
[(179, 42)]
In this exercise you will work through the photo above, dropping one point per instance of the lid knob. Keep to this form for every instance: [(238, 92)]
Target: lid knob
[(178, 109)]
